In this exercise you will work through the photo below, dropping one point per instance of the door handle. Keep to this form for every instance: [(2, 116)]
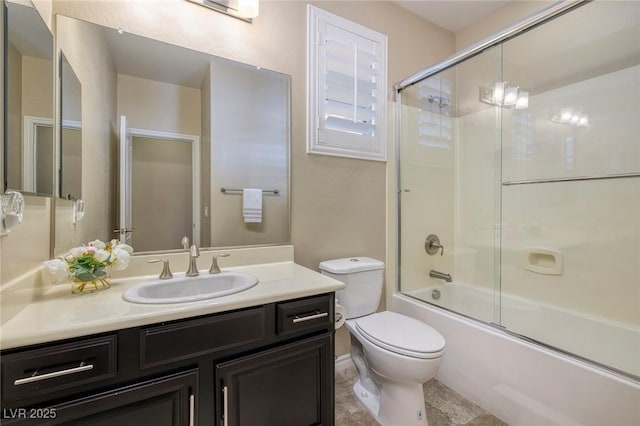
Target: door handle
[(225, 406)]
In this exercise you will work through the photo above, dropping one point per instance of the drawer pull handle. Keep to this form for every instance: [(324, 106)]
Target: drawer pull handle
[(298, 319), (225, 407), (36, 378)]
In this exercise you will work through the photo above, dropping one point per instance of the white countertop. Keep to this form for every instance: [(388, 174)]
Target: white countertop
[(59, 314)]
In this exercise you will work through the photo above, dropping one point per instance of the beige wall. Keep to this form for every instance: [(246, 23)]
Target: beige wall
[(250, 112), (37, 87), (97, 72), (159, 106), (502, 18)]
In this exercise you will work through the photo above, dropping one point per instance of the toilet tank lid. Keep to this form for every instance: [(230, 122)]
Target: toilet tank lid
[(349, 265)]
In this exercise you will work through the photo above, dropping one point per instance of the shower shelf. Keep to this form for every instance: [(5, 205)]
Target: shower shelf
[(571, 179)]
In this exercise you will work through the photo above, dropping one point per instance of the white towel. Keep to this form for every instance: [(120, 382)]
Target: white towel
[(252, 205)]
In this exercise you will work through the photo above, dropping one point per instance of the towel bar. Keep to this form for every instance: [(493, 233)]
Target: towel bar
[(233, 190)]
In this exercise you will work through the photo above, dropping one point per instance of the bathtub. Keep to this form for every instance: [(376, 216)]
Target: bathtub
[(587, 336), (522, 382)]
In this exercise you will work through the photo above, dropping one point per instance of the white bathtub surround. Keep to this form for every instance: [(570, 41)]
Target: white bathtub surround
[(523, 383)]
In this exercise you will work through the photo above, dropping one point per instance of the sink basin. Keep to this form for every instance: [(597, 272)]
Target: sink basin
[(190, 289)]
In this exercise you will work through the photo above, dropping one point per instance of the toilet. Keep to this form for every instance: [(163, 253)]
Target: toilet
[(394, 354)]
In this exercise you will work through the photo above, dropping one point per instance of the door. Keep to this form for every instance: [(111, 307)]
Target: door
[(166, 401), (291, 385), (125, 181), (162, 188)]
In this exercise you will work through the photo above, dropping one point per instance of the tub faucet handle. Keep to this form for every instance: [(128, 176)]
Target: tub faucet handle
[(432, 245)]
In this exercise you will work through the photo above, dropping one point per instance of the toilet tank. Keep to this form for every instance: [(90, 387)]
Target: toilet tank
[(363, 278)]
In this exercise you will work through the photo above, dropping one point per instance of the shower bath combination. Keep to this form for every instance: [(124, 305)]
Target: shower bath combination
[(524, 174)]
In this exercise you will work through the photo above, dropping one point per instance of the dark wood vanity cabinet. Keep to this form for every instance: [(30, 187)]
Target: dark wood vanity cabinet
[(286, 386), (264, 365)]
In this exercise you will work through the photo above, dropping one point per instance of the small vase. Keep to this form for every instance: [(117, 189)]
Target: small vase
[(83, 287)]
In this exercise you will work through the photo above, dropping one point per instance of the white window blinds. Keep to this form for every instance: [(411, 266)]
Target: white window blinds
[(347, 88)]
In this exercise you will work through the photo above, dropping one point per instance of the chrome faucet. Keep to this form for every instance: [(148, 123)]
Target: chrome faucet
[(194, 253), (215, 269), (440, 275)]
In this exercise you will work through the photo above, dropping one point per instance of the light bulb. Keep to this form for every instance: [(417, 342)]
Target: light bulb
[(584, 120), (522, 100), (510, 96), (575, 118), (565, 114)]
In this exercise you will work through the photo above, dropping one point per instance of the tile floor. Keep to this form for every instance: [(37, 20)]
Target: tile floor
[(444, 406)]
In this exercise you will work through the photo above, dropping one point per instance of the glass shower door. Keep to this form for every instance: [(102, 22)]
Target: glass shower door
[(570, 204), (449, 146)]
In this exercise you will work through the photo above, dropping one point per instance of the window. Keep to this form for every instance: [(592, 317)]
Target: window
[(347, 88)]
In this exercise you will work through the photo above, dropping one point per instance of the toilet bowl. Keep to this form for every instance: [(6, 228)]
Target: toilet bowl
[(392, 367), (394, 354)]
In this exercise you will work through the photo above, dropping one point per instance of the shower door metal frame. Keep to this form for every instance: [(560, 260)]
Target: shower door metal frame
[(544, 15)]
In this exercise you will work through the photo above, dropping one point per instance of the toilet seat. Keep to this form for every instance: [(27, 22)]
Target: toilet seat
[(401, 334)]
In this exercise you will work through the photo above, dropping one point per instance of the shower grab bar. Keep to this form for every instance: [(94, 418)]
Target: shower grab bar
[(550, 12), (229, 191), (571, 179)]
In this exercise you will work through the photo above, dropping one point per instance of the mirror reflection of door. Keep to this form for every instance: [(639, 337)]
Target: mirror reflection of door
[(164, 198)]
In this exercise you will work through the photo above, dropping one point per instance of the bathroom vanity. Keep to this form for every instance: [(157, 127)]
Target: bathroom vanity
[(253, 364)]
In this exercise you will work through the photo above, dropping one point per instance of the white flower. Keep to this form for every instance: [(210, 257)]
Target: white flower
[(120, 259), (125, 247), (69, 258), (58, 269), (98, 244), (77, 251), (101, 255)]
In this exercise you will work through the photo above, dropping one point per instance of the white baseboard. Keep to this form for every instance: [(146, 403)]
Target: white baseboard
[(345, 369)]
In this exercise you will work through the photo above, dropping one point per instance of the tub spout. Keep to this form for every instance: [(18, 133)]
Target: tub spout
[(440, 275)]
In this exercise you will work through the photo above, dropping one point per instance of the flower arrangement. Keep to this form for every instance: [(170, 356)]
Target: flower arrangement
[(90, 264)]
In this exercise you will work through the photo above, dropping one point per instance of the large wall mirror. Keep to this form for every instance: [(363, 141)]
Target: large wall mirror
[(180, 135), (29, 118)]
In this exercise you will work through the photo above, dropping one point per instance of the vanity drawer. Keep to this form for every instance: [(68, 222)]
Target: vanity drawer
[(182, 340), (58, 367), (302, 315)]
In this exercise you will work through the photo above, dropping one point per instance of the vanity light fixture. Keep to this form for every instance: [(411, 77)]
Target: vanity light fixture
[(572, 117), (505, 96), (245, 10)]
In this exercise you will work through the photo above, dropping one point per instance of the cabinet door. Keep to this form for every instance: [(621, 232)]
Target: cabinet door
[(169, 400), (289, 385)]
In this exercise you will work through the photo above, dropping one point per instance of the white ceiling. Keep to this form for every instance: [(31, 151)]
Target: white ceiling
[(453, 15)]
